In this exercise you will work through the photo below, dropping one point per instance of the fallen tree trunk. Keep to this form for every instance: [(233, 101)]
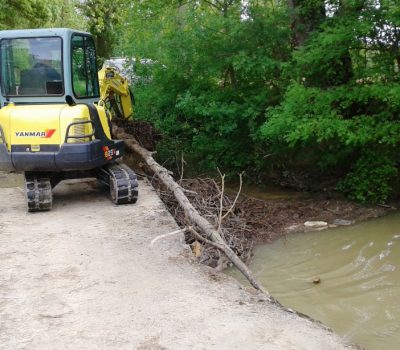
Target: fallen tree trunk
[(209, 234)]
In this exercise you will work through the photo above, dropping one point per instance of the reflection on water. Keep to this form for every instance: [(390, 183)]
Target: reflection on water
[(359, 293)]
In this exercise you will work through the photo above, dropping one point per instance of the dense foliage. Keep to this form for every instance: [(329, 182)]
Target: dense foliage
[(283, 88), (214, 71), (304, 91), (39, 13), (343, 100)]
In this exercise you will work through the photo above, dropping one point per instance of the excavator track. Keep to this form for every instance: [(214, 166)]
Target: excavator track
[(122, 182), (38, 192)]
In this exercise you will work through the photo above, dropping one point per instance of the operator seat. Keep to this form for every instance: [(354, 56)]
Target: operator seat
[(33, 82), (40, 80)]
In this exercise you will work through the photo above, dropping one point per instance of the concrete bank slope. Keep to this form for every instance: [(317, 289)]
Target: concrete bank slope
[(84, 276)]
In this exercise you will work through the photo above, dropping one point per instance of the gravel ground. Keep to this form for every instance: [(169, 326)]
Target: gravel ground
[(84, 276)]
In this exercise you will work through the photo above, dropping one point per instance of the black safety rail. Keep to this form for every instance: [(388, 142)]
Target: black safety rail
[(84, 136)]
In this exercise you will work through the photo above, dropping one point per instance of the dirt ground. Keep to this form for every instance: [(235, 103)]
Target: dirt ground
[(85, 276)]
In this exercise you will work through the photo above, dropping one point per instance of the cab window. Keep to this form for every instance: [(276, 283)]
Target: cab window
[(84, 70), (31, 66)]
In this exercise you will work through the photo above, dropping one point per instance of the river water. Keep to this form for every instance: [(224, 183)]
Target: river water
[(359, 269)]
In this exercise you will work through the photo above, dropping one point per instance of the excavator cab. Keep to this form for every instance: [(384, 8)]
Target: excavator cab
[(46, 65), (54, 125)]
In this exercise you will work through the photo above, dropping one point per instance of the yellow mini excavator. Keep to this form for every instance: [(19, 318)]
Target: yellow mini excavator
[(55, 117)]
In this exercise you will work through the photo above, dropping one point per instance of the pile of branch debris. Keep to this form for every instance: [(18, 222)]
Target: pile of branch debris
[(218, 208), (248, 221)]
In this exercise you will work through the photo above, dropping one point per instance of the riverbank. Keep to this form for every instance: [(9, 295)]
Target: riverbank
[(86, 276), (250, 221), (256, 216)]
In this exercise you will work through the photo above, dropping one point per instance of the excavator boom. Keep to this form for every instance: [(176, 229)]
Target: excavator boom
[(115, 93)]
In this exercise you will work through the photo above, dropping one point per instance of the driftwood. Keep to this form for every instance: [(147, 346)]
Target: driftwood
[(200, 227)]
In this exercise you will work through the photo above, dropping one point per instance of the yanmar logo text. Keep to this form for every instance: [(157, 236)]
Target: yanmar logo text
[(43, 134)]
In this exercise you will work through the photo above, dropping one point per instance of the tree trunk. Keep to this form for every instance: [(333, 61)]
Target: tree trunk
[(209, 233), (304, 19)]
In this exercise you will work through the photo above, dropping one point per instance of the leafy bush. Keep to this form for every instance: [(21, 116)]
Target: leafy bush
[(371, 178), (344, 126)]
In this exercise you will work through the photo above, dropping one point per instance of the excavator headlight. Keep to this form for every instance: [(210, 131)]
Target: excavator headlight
[(80, 130)]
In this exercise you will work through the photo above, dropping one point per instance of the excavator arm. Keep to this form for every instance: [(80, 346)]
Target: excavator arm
[(115, 93)]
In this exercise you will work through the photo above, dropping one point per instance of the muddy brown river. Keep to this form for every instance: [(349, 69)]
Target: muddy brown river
[(359, 269)]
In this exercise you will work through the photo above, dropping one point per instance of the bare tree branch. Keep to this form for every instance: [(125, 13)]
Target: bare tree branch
[(193, 216), (236, 198), (221, 200)]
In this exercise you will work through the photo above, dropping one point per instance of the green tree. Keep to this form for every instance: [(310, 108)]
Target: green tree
[(341, 113), (23, 13), (102, 18), (65, 14), (216, 66)]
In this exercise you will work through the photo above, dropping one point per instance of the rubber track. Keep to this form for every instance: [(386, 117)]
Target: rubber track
[(123, 184), (38, 193)]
